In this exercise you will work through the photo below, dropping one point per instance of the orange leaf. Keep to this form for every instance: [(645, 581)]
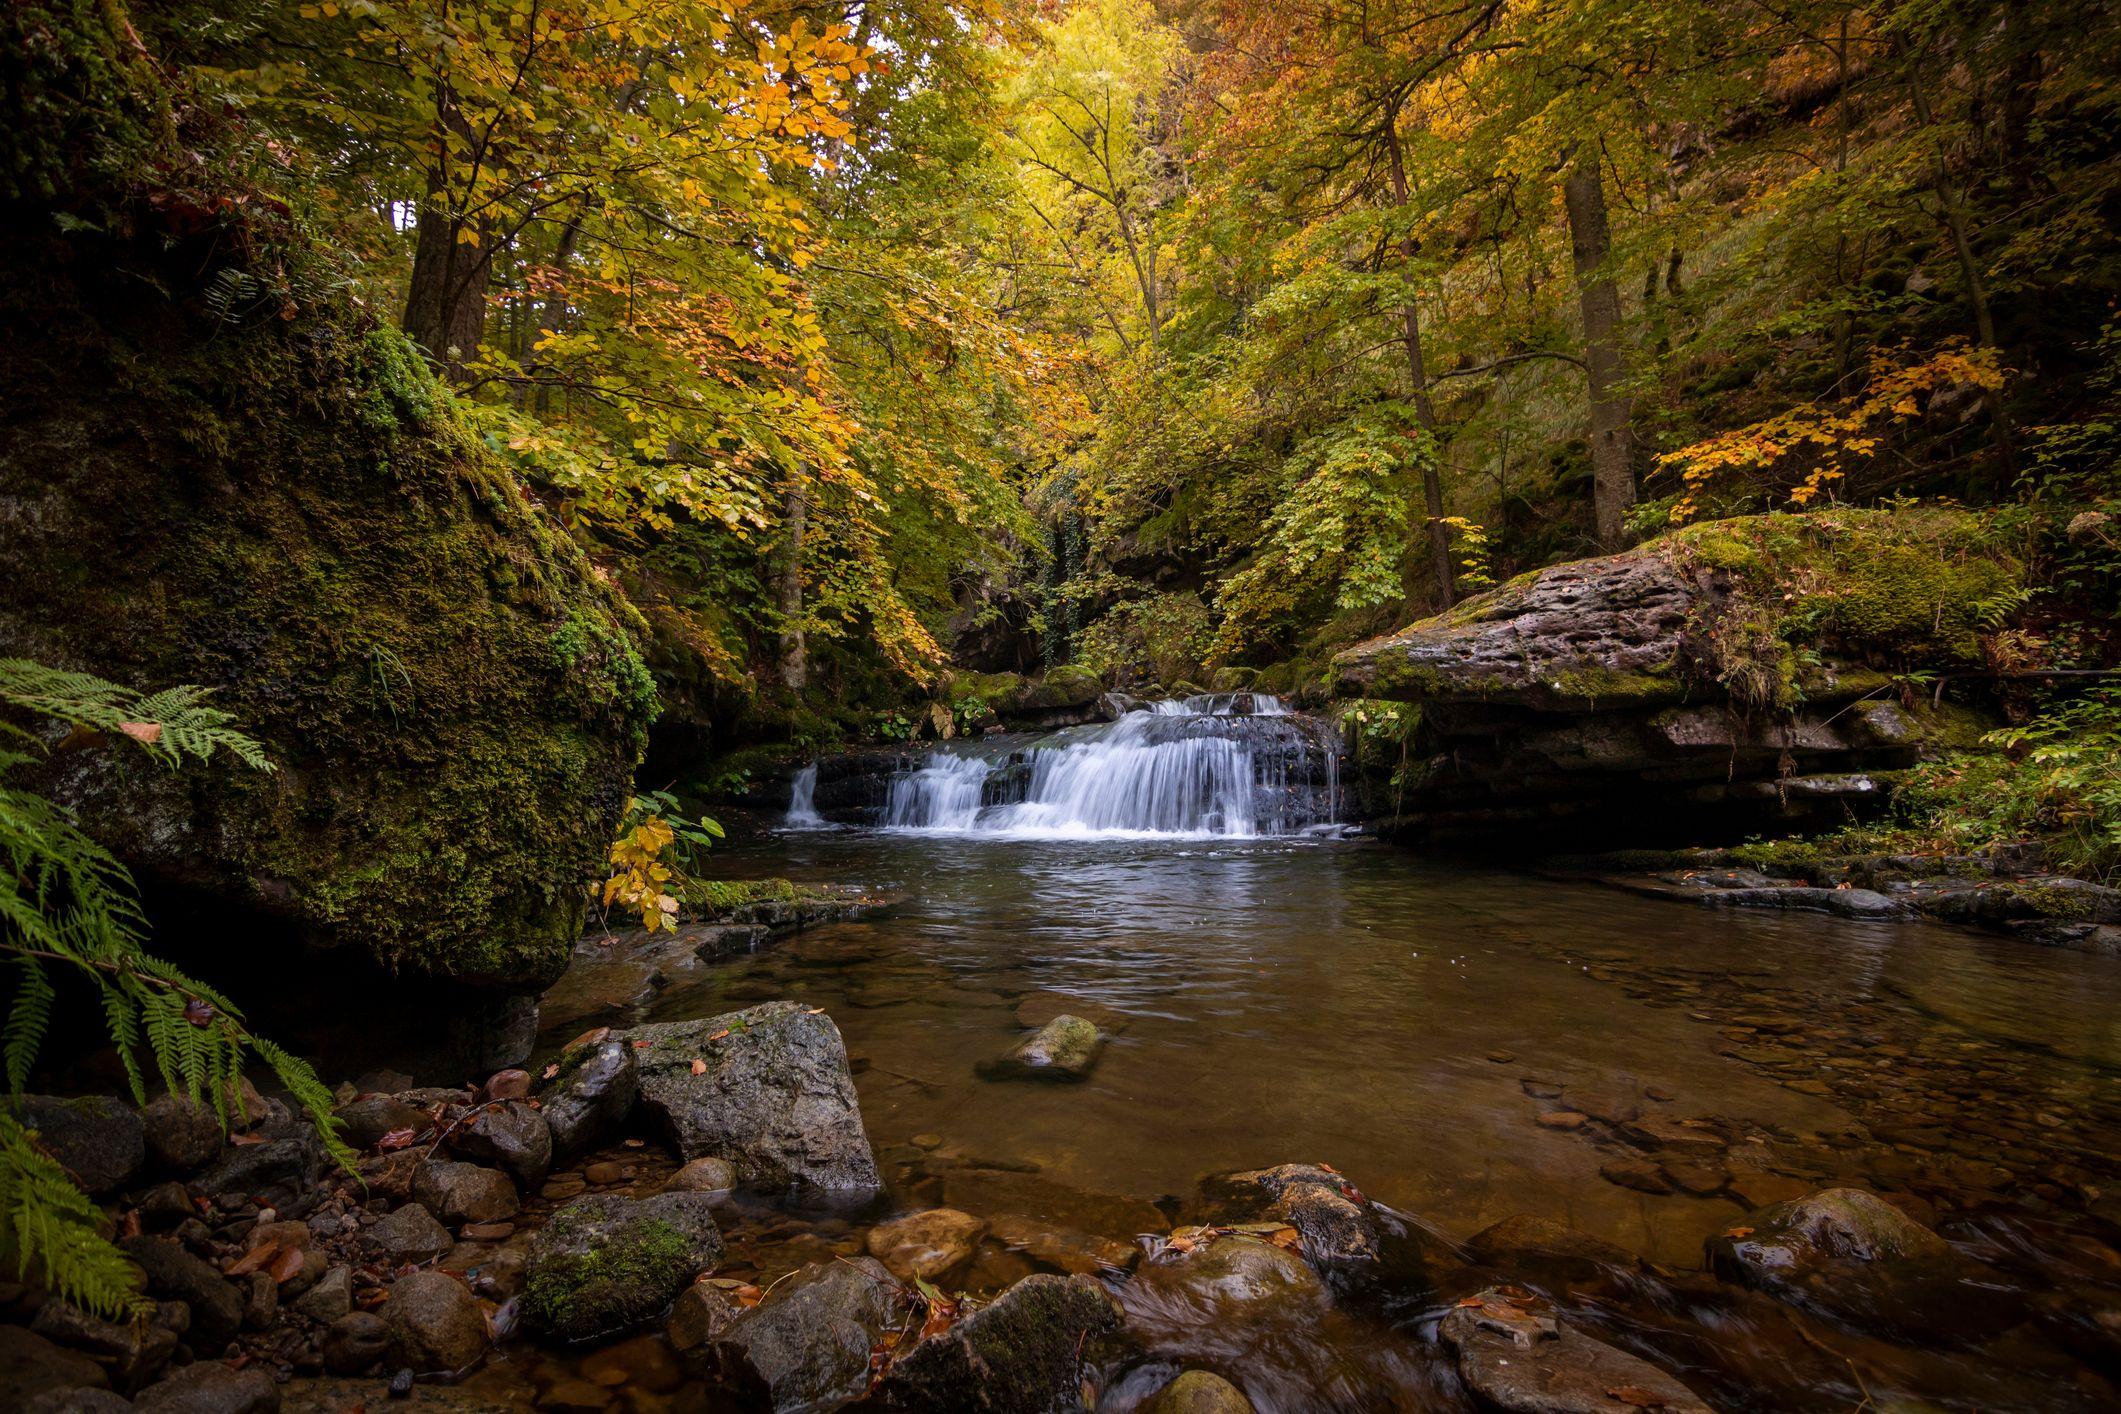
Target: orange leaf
[(699, 1067), (287, 1266), (1637, 1396), (146, 733), (252, 1260)]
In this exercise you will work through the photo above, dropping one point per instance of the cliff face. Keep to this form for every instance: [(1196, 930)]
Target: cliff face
[(216, 467), (1742, 668)]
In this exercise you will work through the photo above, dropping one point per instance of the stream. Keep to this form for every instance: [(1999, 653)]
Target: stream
[(1466, 1043)]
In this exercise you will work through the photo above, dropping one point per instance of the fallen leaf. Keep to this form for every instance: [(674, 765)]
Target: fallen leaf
[(253, 1260), (719, 1034), (246, 1139), (549, 1071), (637, 1143), (396, 1139), (643, 1045), (287, 1266), (699, 1067), (146, 733), (588, 1038), (129, 1224), (749, 1295), (1637, 1396), (1286, 1238), (1735, 1233), (1472, 1301)]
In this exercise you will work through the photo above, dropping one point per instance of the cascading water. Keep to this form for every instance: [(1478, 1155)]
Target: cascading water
[(802, 798), (1227, 764)]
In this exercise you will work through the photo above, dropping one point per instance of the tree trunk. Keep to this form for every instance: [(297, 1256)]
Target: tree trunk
[(1612, 466), (554, 310), (1439, 534), (795, 515), (445, 301)]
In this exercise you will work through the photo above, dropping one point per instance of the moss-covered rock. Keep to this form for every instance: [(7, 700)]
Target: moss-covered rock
[(607, 1263), (218, 470)]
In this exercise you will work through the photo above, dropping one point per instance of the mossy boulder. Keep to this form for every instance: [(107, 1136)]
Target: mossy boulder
[(606, 1263), (1025, 1352), (219, 470)]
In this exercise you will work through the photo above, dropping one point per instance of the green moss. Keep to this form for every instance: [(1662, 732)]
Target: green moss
[(2050, 902), (1063, 686), (1601, 686), (1789, 859), (606, 1287), (720, 898)]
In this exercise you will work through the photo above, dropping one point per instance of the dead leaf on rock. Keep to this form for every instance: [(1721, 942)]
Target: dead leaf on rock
[(253, 1260), (146, 733), (1734, 1233), (699, 1067), (549, 1071), (1637, 1397), (588, 1038), (396, 1139), (287, 1266)]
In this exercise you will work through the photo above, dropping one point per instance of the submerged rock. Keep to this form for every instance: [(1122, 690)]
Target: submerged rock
[(1339, 1226), (210, 1387), (1065, 1048), (806, 1346), (1227, 1276), (1527, 1245), (607, 1263), (1022, 1353), (1517, 1356), (768, 1089), (931, 1246), (589, 1096)]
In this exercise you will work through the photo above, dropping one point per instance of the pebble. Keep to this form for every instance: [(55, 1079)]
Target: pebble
[(1541, 1089), (1502, 1057), (1561, 1119), (605, 1172), (927, 1141)]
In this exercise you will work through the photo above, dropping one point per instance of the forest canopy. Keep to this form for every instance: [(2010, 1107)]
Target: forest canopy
[(866, 344)]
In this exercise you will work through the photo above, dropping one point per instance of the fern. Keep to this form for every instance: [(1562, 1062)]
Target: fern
[(67, 906)]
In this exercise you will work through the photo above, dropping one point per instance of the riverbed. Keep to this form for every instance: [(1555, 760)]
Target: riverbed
[(1467, 1044)]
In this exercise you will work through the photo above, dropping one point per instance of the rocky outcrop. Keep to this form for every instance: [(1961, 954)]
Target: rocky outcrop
[(217, 469), (1734, 671), (1022, 1353), (768, 1089)]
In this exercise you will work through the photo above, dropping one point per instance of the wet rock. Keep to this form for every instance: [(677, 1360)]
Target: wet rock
[(181, 1134), (1638, 1174), (210, 1387), (1852, 1256), (30, 1366), (1065, 1048), (282, 1171), (575, 1397), (408, 1234), (1529, 1245), (1561, 1119), (606, 1172), (510, 1136), (1338, 1225), (435, 1324), (1516, 1356), (1843, 903), (464, 1193), (607, 1263), (703, 1176), (289, 1237), (642, 1363), (589, 1097), (355, 1342), (806, 1346), (701, 1313), (261, 1300), (932, 1246), (165, 1205), (176, 1275), (1231, 1276), (1198, 1392), (1022, 1353), (130, 1354), (773, 1095), (367, 1118), (96, 1139), (1077, 1253), (330, 1298), (507, 1085)]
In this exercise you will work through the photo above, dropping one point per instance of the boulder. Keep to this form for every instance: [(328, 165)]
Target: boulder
[(1516, 1356), (589, 1096), (130, 1354), (702, 1312), (1338, 1225), (283, 1171), (329, 1298), (768, 1089), (607, 1263), (435, 1325), (210, 1387), (176, 1275), (81, 1399), (703, 1176), (355, 1342), (97, 1140), (510, 1136), (1198, 1392), (806, 1346), (932, 1246), (1854, 1257), (1025, 1352), (464, 1193), (31, 1366), (181, 1133), (408, 1233), (1065, 1048), (365, 1119), (1205, 1277)]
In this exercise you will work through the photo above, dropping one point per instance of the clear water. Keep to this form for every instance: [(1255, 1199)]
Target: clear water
[(1305, 999)]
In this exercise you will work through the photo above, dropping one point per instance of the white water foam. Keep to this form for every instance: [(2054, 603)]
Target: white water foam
[(802, 794)]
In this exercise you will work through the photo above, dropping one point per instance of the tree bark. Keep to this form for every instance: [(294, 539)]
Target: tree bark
[(795, 515), (1439, 535), (445, 304), (1612, 465)]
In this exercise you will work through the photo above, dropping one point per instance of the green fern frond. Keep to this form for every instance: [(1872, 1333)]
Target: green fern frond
[(27, 1020), (171, 725), (49, 1231)]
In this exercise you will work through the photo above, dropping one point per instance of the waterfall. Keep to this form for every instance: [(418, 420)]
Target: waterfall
[(802, 811), (1222, 764)]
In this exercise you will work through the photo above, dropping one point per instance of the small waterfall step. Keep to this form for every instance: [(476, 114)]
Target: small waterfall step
[(1219, 765)]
